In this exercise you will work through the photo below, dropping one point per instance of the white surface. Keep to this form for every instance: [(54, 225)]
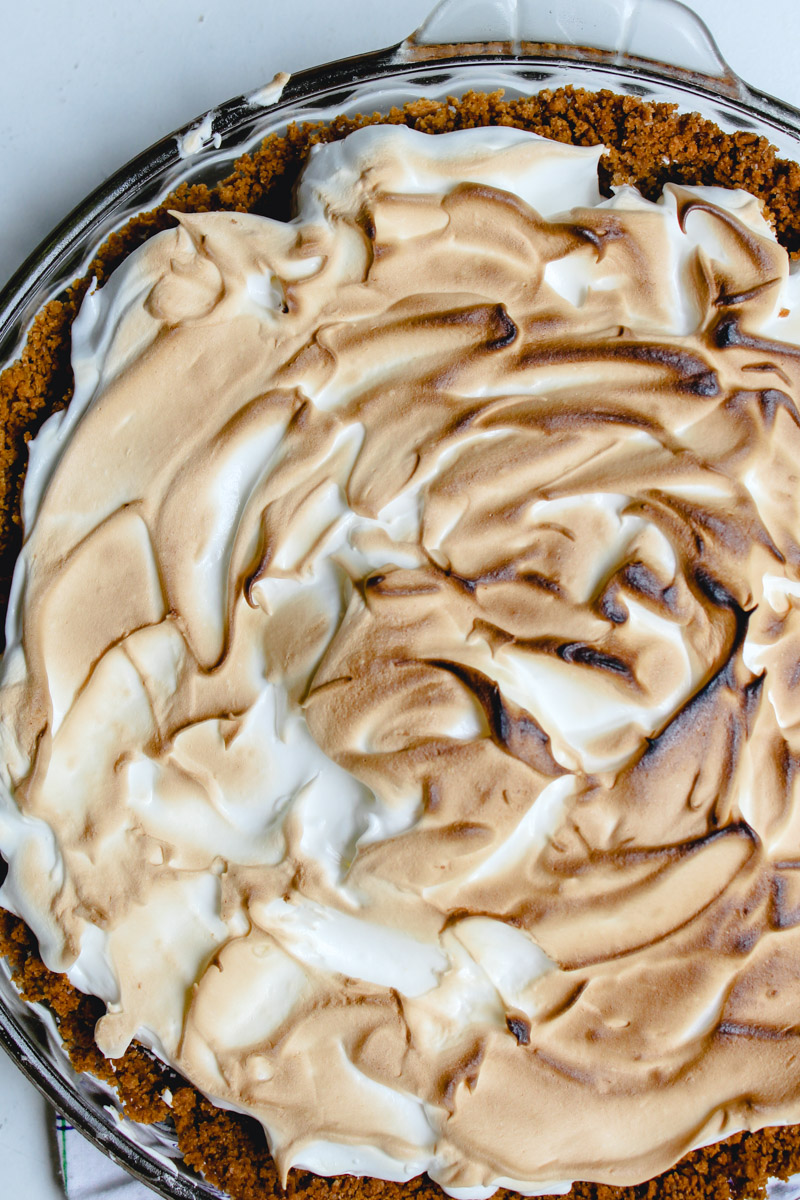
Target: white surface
[(85, 86), (27, 1138)]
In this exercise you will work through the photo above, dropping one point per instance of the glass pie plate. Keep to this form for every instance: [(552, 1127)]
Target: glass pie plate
[(652, 49)]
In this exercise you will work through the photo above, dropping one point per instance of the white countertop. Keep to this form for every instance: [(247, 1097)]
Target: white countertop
[(85, 86)]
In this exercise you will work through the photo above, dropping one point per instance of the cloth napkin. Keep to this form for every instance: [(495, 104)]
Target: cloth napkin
[(87, 1174)]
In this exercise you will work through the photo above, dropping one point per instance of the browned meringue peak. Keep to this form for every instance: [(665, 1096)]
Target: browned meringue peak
[(402, 681)]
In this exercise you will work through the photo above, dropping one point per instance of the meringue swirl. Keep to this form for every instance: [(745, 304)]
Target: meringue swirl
[(400, 718)]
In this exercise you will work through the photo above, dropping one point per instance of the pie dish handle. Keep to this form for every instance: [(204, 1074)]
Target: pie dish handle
[(637, 34)]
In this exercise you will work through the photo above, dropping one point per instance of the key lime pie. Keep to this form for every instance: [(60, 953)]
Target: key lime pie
[(397, 730)]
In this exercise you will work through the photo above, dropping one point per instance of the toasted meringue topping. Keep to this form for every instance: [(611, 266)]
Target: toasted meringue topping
[(401, 705)]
